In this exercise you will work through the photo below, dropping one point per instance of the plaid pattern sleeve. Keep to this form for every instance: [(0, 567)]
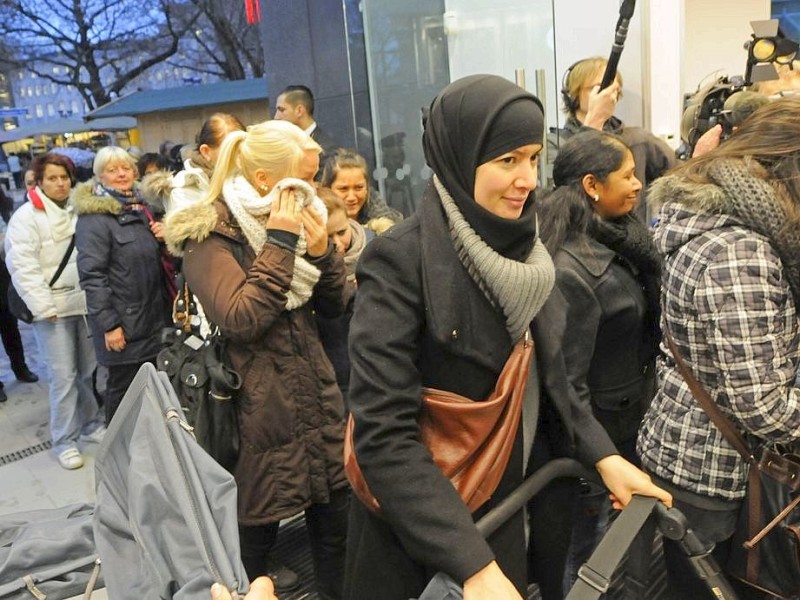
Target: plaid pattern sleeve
[(733, 318)]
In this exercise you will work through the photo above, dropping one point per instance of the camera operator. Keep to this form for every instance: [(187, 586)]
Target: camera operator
[(737, 108), (587, 106)]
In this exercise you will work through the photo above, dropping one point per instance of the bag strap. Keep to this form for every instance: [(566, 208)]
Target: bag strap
[(594, 576), (183, 306), (64, 262), (707, 403), (735, 439)]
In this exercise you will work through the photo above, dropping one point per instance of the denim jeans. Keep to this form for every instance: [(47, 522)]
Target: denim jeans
[(67, 351)]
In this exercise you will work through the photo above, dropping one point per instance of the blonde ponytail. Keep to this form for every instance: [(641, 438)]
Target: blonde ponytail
[(277, 147), (226, 164)]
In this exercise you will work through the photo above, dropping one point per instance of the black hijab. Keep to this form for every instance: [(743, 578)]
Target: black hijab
[(472, 121)]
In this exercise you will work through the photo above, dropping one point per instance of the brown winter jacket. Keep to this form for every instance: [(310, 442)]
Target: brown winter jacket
[(290, 409)]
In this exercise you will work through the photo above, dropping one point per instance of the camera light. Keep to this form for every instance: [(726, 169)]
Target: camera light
[(763, 49)]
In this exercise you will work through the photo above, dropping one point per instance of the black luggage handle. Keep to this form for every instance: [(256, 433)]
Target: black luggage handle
[(441, 587), (595, 575), (559, 468)]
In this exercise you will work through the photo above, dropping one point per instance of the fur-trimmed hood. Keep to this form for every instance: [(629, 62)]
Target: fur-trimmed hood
[(698, 197), (86, 203), (175, 191), (686, 210), (157, 187), (195, 223)]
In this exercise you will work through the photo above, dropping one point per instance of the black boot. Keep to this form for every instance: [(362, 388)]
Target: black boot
[(283, 577), (3, 396), (24, 374)]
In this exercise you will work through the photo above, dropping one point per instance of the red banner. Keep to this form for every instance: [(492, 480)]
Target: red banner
[(253, 8)]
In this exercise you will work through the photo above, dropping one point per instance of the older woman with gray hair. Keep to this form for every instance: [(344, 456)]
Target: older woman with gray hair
[(119, 245)]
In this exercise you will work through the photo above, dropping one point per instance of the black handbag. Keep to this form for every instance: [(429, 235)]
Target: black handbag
[(17, 306), (765, 551), (204, 381)]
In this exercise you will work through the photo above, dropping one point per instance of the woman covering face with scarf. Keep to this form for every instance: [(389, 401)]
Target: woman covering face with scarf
[(443, 297), (257, 256)]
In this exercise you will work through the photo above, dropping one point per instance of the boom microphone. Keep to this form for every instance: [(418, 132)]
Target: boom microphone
[(625, 14)]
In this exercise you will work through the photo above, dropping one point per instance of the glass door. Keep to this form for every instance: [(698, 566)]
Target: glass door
[(416, 47)]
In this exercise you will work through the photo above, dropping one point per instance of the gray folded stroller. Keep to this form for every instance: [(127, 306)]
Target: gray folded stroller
[(165, 524)]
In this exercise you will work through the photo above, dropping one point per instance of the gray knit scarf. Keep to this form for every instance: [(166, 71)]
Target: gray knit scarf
[(754, 201), (520, 289), (358, 242)]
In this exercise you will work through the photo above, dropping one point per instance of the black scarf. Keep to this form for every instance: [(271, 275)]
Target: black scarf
[(461, 134), (629, 238)]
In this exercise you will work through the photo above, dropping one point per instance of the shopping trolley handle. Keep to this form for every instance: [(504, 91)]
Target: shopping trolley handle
[(673, 525)]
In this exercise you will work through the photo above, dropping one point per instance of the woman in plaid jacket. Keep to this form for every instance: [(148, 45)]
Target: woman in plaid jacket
[(729, 232)]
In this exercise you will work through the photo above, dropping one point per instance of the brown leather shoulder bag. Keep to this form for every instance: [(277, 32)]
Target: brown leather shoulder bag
[(469, 441)]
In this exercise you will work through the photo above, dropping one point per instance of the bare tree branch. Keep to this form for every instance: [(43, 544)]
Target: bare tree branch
[(94, 40)]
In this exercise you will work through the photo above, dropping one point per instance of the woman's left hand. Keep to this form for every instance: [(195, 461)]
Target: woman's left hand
[(157, 229), (316, 233), (623, 480)]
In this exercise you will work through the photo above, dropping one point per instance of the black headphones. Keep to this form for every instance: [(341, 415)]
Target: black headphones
[(571, 103)]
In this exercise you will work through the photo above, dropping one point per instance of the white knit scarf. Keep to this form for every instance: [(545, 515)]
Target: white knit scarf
[(247, 205), (520, 289), (61, 220)]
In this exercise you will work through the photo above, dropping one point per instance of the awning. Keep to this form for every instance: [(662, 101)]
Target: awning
[(60, 126)]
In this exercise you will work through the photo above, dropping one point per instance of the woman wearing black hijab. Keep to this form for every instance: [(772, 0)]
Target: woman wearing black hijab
[(443, 297)]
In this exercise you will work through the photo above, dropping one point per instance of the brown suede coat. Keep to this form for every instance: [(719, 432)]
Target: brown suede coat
[(290, 409)]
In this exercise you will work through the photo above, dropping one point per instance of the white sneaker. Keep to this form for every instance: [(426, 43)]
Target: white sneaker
[(70, 459), (95, 437)]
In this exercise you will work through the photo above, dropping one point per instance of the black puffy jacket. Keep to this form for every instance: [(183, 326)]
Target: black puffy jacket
[(119, 263)]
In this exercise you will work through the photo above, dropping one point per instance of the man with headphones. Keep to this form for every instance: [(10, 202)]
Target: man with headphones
[(587, 106)]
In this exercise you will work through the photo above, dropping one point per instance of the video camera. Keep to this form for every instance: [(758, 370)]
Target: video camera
[(721, 102)]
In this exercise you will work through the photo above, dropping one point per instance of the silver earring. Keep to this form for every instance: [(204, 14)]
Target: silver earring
[(264, 187), (596, 197)]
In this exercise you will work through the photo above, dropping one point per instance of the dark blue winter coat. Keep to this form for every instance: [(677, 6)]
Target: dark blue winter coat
[(119, 263)]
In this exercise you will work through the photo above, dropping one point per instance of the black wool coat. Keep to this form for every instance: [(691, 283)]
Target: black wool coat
[(420, 320)]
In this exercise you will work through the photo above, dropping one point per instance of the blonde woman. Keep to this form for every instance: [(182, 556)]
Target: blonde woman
[(256, 254)]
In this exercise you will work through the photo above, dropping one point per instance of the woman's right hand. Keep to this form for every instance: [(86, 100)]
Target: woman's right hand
[(490, 584), (285, 214), (115, 340), (602, 104), (260, 589)]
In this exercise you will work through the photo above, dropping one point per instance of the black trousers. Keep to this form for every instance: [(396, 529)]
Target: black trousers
[(550, 516), (12, 342), (119, 379), (327, 531)]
